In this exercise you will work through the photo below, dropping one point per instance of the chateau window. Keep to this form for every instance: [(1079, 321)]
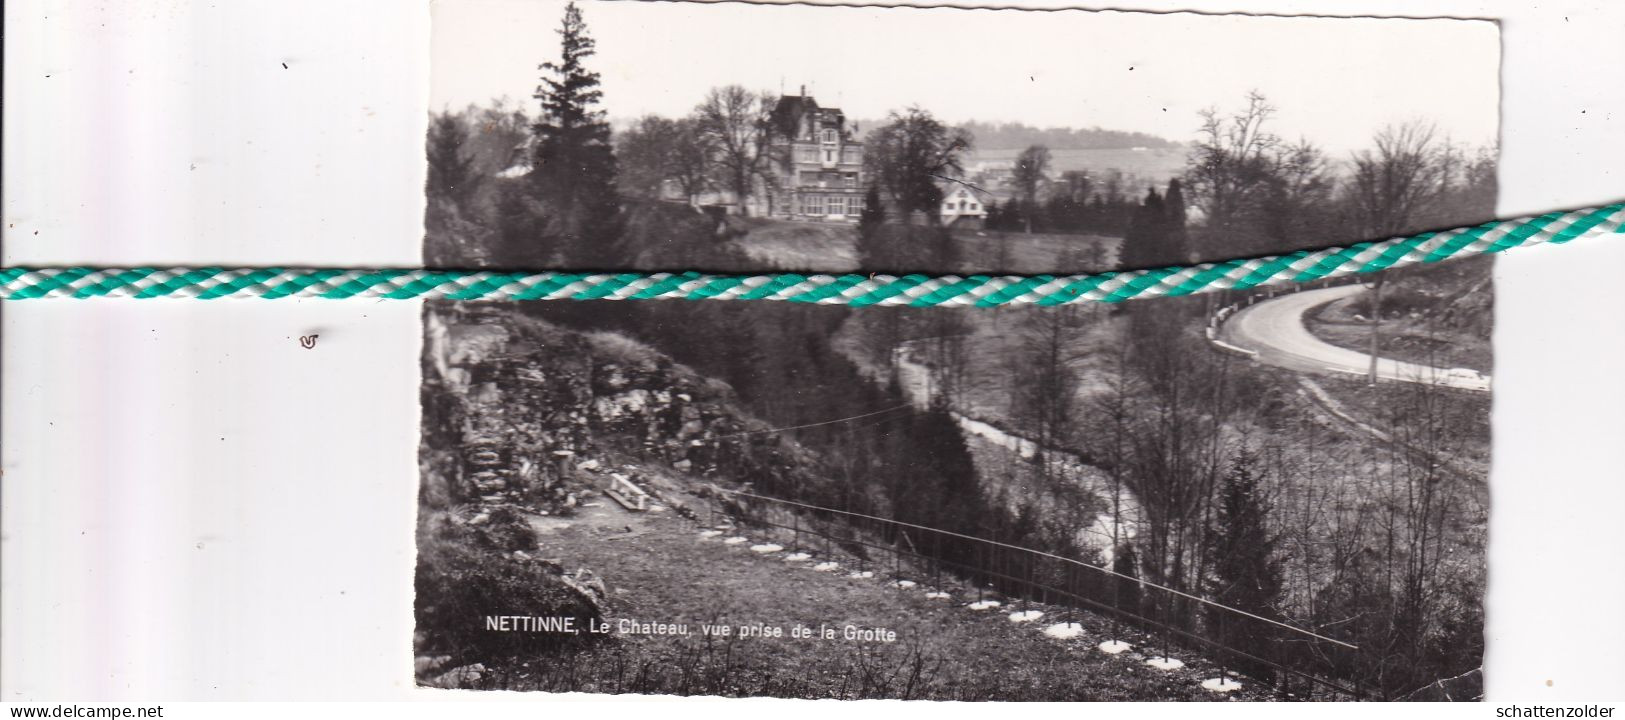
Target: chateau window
[(973, 206), (829, 136), (807, 154), (837, 205), (815, 205)]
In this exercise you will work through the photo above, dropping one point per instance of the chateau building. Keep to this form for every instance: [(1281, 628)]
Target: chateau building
[(816, 163)]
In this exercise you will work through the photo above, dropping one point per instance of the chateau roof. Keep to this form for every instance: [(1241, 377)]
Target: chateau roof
[(788, 113)]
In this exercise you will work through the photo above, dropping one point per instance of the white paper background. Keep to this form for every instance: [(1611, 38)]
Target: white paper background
[(194, 507)]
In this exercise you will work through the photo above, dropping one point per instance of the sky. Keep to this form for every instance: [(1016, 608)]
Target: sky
[(1333, 80)]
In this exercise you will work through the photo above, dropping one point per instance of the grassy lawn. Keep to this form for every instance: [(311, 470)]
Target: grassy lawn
[(800, 246), (659, 569), (832, 247)]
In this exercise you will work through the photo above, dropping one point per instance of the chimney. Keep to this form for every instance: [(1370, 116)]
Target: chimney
[(804, 91)]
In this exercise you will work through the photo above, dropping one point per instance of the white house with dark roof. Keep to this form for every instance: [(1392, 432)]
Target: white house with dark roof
[(963, 204)]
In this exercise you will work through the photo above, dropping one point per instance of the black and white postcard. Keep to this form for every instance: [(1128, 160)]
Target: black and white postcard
[(1277, 494)]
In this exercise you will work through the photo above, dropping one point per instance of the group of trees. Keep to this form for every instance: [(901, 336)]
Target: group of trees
[(1187, 501), (727, 144), (1217, 483), (1074, 203), (560, 204), (1259, 193), (1252, 192), (655, 151), (1384, 561)]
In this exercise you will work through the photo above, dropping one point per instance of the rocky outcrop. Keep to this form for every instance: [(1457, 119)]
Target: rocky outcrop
[(523, 402)]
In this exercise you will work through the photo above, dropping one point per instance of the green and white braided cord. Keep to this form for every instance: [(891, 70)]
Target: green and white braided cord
[(913, 290)]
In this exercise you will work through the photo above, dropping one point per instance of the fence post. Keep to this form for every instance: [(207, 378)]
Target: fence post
[(982, 568), (936, 562), (1027, 597), (1167, 629), (1043, 594), (897, 561)]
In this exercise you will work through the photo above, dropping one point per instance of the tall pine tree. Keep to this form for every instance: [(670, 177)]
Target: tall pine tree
[(1246, 574), (452, 175), (1143, 244), (933, 481), (1176, 240), (574, 175), (452, 234), (1156, 234)]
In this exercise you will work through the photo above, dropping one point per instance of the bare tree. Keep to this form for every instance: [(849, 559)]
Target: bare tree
[(735, 122), (1401, 178), (657, 150), (1176, 452), (1299, 204), (1116, 407), (1396, 183), (644, 151), (1046, 377), (1228, 174), (691, 164), (908, 155)]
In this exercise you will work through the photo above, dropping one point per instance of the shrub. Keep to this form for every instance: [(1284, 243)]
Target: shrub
[(462, 578)]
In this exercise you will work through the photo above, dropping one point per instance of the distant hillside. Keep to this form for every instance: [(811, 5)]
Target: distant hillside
[(1149, 164), (1018, 135), (1015, 136)]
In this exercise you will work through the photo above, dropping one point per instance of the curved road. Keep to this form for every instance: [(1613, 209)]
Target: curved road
[(1274, 330)]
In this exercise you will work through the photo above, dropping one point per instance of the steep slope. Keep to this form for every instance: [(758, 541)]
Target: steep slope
[(526, 424)]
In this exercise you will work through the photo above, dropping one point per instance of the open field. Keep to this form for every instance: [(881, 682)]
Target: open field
[(795, 246)]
